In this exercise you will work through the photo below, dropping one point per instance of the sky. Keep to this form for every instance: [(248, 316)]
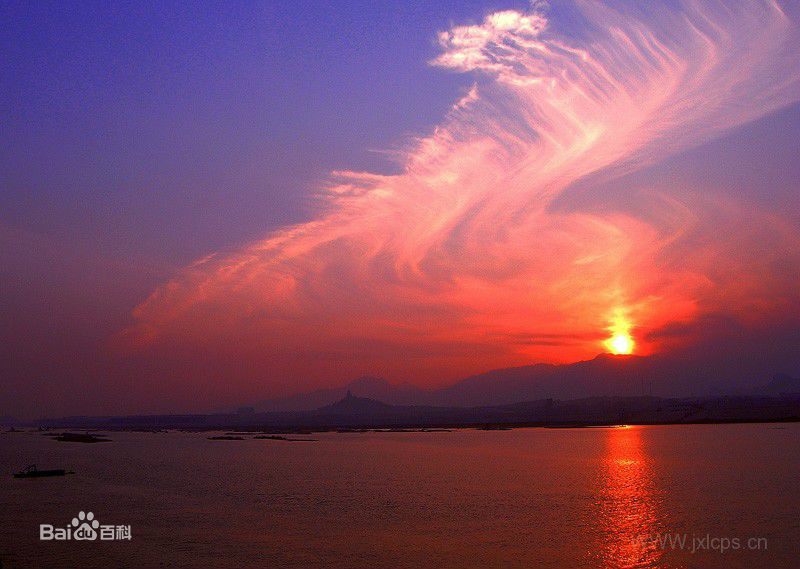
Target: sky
[(209, 204)]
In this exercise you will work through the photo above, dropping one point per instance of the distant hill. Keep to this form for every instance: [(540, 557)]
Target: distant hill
[(362, 413), (601, 391), (352, 405), (603, 376), (371, 387), (781, 385)]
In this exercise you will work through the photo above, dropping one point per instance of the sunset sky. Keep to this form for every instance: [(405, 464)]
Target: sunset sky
[(205, 205)]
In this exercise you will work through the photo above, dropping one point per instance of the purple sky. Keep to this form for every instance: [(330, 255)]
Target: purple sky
[(142, 137)]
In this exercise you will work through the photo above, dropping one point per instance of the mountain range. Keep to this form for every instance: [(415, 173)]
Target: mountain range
[(603, 376)]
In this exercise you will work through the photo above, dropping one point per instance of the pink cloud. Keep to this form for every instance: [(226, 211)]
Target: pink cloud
[(459, 262)]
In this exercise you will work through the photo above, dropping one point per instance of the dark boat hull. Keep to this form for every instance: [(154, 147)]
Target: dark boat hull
[(40, 473)]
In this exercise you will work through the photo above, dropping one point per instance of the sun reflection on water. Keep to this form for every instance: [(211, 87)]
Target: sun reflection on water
[(627, 502)]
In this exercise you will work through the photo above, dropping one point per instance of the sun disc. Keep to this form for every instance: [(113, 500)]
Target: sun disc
[(620, 344)]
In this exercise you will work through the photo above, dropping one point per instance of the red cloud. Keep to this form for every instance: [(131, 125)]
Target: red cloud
[(460, 262)]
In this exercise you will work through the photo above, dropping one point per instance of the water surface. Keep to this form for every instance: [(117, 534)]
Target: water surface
[(593, 497)]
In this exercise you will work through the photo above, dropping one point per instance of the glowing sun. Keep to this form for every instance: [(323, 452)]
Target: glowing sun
[(620, 344)]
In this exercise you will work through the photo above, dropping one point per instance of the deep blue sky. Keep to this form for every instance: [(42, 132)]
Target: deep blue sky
[(167, 130)]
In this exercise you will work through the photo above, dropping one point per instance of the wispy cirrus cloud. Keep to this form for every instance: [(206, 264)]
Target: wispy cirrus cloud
[(461, 261)]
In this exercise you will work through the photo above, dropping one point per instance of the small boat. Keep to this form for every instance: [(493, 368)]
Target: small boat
[(33, 472), (80, 438)]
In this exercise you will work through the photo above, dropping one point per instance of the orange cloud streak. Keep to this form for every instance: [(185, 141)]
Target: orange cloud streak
[(461, 261)]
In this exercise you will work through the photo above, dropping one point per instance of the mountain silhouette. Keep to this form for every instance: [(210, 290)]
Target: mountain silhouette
[(781, 385), (605, 375), (367, 386), (604, 390), (352, 405)]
